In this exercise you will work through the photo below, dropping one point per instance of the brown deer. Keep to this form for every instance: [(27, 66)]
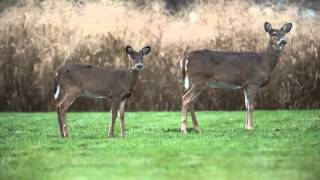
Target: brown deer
[(113, 84), (246, 71)]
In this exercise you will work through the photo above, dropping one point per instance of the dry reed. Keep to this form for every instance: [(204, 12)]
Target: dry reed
[(38, 37)]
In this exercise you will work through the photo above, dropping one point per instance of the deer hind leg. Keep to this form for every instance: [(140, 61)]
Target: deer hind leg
[(122, 123), (114, 111), (62, 109), (189, 98), (250, 95)]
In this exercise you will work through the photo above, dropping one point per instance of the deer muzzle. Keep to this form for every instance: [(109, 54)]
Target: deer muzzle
[(282, 42), (138, 66)]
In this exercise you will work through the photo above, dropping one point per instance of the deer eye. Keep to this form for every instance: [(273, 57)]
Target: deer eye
[(274, 34)]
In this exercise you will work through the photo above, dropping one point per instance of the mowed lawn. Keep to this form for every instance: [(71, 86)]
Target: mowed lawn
[(284, 145)]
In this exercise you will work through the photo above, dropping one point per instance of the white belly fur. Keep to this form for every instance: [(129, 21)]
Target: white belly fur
[(224, 85), (91, 95)]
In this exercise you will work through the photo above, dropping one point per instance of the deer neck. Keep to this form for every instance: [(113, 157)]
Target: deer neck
[(271, 56), (133, 78)]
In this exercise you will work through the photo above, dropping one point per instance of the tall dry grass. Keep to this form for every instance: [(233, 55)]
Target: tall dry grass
[(38, 37)]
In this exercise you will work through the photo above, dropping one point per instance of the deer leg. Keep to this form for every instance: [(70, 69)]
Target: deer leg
[(190, 96), (114, 110), (62, 109), (61, 117), (184, 108), (122, 124), (194, 119), (250, 95)]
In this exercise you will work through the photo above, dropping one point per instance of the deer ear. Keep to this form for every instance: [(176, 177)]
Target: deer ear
[(267, 27), (129, 50), (287, 27), (146, 50)]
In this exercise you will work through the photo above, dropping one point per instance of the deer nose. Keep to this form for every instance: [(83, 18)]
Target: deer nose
[(283, 42), (139, 66)]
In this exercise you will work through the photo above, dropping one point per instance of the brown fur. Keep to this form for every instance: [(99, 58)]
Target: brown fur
[(236, 70), (85, 80), (105, 82)]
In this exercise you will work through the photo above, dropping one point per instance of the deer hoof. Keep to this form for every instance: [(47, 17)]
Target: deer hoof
[(197, 130), (250, 128), (110, 136), (64, 135), (183, 131)]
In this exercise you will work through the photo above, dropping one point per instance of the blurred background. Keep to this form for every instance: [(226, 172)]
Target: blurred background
[(38, 36)]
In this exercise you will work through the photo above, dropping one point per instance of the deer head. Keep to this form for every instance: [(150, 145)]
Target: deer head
[(136, 58), (277, 36)]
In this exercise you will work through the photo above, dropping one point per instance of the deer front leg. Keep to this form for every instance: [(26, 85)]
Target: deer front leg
[(114, 110), (250, 95), (122, 124)]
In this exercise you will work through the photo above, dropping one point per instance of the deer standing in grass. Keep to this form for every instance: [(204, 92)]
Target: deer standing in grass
[(89, 81), (246, 71)]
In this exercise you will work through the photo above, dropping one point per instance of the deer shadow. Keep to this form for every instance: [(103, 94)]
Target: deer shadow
[(168, 130)]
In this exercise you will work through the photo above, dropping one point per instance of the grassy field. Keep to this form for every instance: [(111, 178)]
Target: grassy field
[(284, 145)]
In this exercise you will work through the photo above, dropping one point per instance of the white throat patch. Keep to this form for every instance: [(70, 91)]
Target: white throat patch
[(186, 65)]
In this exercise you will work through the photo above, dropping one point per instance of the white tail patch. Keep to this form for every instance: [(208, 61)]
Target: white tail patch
[(186, 82), (186, 65), (57, 92)]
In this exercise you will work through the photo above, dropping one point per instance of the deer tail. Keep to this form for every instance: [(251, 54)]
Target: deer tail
[(184, 76)]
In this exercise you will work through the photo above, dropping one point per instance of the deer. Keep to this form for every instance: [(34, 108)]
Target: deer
[(85, 80), (247, 71)]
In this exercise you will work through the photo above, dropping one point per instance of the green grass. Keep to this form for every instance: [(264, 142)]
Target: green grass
[(284, 145)]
